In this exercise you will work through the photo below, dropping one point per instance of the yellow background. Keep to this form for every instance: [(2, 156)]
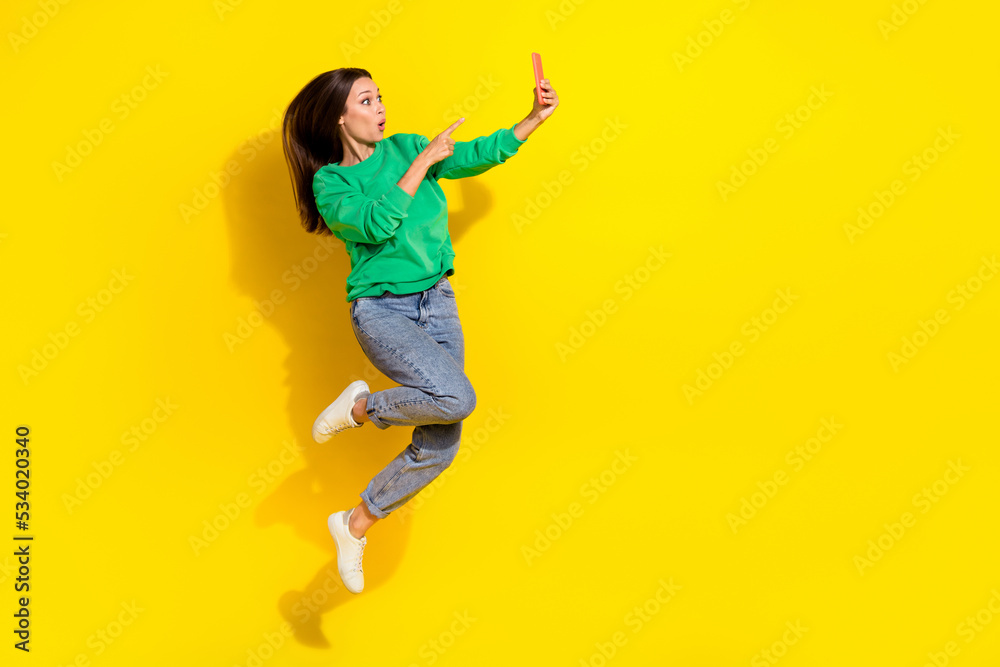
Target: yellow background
[(546, 423)]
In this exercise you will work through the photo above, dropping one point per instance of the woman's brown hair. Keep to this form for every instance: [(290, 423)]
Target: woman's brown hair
[(309, 133)]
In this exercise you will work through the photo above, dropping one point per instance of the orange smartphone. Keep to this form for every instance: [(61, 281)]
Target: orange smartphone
[(536, 63)]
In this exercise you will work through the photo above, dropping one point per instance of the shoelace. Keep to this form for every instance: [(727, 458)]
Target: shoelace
[(342, 427), (357, 563)]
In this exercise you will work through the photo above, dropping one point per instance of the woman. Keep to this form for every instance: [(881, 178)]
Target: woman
[(380, 196)]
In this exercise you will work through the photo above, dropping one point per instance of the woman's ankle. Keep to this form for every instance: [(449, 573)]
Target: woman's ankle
[(361, 520), (359, 411)]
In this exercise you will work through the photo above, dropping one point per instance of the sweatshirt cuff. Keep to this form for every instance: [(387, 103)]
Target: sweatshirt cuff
[(399, 198), (509, 140)]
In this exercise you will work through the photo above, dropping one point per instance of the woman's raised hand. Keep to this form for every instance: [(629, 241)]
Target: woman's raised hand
[(442, 145), (543, 111)]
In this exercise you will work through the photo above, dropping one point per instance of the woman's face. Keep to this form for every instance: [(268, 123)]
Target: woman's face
[(364, 117)]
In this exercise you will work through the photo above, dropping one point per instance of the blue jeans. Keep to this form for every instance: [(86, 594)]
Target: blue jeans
[(415, 340)]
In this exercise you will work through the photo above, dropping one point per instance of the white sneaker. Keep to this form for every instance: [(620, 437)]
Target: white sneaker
[(337, 417), (349, 550)]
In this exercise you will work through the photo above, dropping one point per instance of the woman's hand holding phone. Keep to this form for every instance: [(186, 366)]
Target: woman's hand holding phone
[(545, 99), (548, 93)]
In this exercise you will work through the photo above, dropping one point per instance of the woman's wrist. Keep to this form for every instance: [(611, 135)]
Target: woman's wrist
[(421, 163), (524, 129), (414, 175)]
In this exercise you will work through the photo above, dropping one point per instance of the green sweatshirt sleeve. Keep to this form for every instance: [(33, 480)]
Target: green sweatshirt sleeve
[(471, 158), (354, 216)]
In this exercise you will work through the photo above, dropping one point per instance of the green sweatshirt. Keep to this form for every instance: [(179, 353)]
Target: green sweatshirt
[(398, 243)]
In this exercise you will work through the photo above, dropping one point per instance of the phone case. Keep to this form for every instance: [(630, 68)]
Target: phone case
[(536, 63)]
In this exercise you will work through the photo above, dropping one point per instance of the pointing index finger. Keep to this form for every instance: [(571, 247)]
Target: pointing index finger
[(451, 129)]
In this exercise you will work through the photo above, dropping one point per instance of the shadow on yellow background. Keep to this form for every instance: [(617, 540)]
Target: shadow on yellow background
[(652, 474), (313, 319)]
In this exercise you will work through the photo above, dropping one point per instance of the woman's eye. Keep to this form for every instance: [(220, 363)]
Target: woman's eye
[(369, 100)]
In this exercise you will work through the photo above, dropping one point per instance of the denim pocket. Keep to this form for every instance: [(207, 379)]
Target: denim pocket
[(445, 288), (354, 306)]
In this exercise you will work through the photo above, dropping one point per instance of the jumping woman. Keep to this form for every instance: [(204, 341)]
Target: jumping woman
[(380, 196)]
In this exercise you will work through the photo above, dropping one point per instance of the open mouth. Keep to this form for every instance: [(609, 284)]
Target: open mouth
[(381, 125)]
